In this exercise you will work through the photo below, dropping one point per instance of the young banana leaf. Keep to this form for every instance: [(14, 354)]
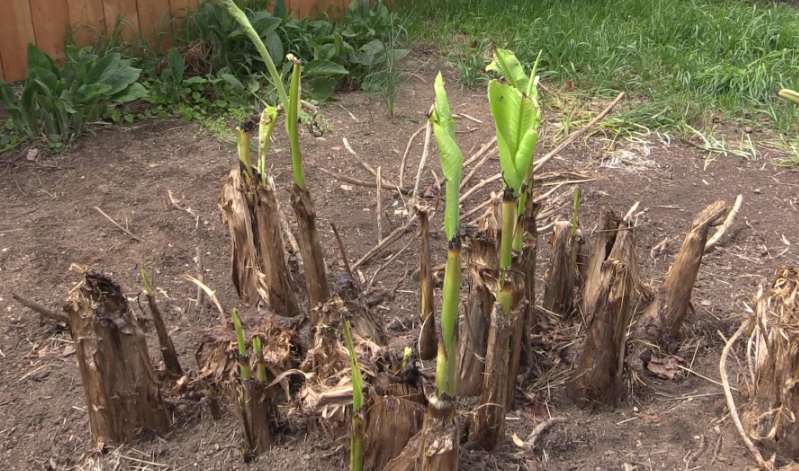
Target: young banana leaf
[(451, 166), (516, 117), (450, 155)]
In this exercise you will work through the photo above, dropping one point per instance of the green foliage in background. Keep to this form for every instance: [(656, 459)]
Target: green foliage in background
[(60, 103)]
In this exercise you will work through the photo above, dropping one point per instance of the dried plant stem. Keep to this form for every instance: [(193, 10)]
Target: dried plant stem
[(388, 240), (767, 465), (425, 152), (127, 232), (378, 181), (480, 152), (405, 155), (355, 181), (46, 312), (475, 169), (342, 250), (726, 225)]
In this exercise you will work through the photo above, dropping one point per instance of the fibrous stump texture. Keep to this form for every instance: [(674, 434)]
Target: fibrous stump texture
[(482, 265), (599, 373), (559, 278), (311, 248), (119, 381), (236, 212), (664, 317), (489, 423), (427, 342), (392, 419), (775, 347), (272, 253), (252, 403)]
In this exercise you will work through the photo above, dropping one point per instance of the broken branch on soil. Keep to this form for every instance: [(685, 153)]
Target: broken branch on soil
[(426, 150), (176, 204), (405, 155), (573, 136), (476, 168), (355, 181), (342, 250), (388, 240), (379, 205), (200, 298), (381, 267), (368, 167), (480, 152), (727, 223), (129, 234), (539, 429), (45, 311)]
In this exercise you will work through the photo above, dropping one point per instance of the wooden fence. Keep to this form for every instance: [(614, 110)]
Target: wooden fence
[(45, 23)]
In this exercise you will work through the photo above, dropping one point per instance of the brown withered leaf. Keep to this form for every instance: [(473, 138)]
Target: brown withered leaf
[(667, 368)]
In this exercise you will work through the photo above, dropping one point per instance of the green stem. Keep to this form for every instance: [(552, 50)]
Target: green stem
[(292, 124), (356, 444), (239, 16), (244, 359), (406, 357), (508, 228), (449, 317), (267, 125), (575, 223), (146, 280), (356, 436), (505, 297), (259, 356)]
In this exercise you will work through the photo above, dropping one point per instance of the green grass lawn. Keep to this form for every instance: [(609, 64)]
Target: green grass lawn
[(685, 59)]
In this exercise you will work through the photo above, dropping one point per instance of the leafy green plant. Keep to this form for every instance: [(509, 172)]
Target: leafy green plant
[(517, 115), (356, 439), (471, 63), (59, 103), (451, 167), (353, 47)]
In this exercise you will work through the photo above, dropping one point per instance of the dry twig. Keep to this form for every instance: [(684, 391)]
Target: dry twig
[(767, 465), (342, 250), (405, 155), (428, 131), (127, 232), (726, 225), (355, 181), (45, 311), (379, 205)]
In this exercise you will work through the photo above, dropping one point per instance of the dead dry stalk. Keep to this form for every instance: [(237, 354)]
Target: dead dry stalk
[(664, 317)]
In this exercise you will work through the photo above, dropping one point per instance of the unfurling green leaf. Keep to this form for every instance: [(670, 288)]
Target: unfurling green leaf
[(357, 382), (267, 125), (508, 66), (516, 118), (450, 156)]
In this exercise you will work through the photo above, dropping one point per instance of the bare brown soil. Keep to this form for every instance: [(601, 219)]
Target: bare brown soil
[(48, 221)]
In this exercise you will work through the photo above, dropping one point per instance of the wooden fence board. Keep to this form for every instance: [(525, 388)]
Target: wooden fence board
[(16, 31), (179, 9), (127, 10), (87, 20), (50, 26), (155, 22), (46, 22)]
